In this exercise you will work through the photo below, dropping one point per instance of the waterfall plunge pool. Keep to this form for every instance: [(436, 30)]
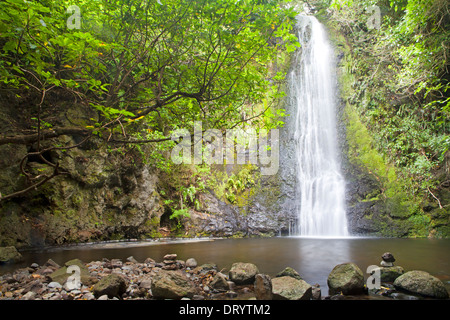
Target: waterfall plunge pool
[(312, 257)]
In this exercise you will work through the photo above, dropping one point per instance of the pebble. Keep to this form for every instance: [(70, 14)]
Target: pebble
[(54, 284)]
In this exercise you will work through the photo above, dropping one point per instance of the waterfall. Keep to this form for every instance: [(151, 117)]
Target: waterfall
[(320, 186)]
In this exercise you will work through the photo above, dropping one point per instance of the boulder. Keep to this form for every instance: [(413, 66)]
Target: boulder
[(422, 283), (220, 282), (243, 273), (10, 255), (167, 284), (389, 274), (289, 288), (263, 287), (112, 285), (347, 279), (289, 272)]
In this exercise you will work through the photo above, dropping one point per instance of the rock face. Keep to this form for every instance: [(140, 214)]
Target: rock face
[(172, 285), (102, 197), (422, 283), (112, 285), (243, 273), (347, 279), (9, 255), (288, 288)]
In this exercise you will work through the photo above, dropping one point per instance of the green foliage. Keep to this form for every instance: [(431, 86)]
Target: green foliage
[(143, 69), (400, 82)]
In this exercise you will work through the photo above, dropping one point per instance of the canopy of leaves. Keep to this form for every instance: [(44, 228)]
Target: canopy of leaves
[(141, 69)]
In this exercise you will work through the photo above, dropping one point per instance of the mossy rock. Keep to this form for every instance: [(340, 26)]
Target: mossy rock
[(113, 285), (346, 278), (9, 255)]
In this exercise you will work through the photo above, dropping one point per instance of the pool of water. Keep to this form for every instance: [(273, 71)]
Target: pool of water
[(313, 258)]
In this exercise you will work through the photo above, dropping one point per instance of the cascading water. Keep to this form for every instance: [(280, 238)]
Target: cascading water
[(320, 184)]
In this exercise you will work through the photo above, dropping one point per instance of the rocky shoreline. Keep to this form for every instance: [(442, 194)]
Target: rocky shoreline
[(177, 279)]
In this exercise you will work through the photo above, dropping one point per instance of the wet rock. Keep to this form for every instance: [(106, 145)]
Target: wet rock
[(243, 273), (9, 255), (289, 288), (289, 272), (112, 285), (263, 287), (172, 285), (422, 283), (347, 279)]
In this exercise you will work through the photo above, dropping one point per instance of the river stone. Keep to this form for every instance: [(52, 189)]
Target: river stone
[(389, 274), (191, 263), (243, 273), (346, 278), (289, 272), (289, 288), (112, 285), (170, 256), (388, 257), (168, 284), (263, 287), (422, 283), (10, 255), (219, 282)]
